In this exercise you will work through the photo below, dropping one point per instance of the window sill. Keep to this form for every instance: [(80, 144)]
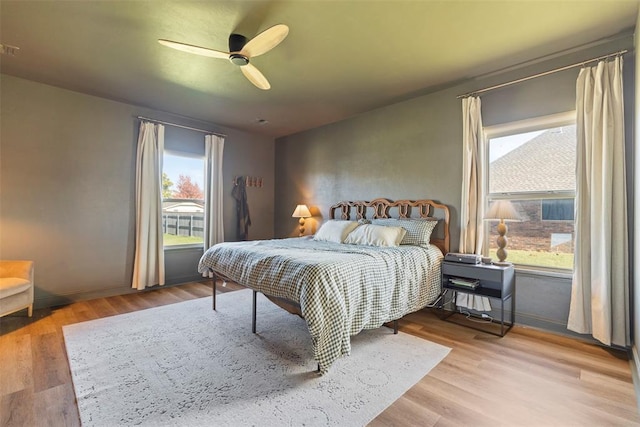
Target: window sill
[(533, 272), (183, 247)]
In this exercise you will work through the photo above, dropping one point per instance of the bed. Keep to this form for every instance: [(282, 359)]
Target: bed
[(342, 282)]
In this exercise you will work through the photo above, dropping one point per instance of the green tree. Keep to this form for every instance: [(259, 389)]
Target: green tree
[(167, 192)]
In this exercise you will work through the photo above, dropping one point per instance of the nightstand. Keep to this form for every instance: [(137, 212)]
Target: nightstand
[(492, 281)]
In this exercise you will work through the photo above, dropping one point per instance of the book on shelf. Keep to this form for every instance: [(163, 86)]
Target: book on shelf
[(464, 283)]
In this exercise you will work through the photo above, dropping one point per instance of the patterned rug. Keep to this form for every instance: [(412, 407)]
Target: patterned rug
[(185, 365)]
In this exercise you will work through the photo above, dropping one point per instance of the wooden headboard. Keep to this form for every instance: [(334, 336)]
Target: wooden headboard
[(381, 208)]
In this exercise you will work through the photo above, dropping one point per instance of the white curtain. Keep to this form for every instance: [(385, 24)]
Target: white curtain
[(213, 189), (148, 266), (473, 193), (600, 288)]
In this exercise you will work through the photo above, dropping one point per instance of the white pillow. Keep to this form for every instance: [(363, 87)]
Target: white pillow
[(376, 235), (335, 230)]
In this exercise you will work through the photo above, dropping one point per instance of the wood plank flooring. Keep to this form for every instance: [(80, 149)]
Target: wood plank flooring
[(527, 378)]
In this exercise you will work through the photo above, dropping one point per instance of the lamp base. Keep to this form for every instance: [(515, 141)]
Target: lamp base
[(502, 263)]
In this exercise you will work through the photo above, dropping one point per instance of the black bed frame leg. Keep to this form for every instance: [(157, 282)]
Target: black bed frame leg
[(253, 315), (215, 279), (395, 327)]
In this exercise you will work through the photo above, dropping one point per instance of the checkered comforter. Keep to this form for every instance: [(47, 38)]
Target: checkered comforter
[(341, 289)]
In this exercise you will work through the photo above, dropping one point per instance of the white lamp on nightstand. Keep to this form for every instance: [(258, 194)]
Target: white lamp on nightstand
[(502, 210), (302, 212)]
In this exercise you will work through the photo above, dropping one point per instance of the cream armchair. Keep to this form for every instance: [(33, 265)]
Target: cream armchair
[(16, 287)]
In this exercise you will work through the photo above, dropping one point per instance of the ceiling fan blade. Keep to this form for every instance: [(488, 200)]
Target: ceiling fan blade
[(265, 41), (194, 49), (255, 77)]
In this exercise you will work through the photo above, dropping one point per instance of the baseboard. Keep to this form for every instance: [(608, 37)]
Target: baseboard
[(536, 322), (58, 300), (635, 372), (64, 299), (183, 279), (551, 325)]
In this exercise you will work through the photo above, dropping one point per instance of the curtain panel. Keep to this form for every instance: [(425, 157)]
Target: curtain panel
[(473, 191), (600, 285), (148, 265), (213, 192)]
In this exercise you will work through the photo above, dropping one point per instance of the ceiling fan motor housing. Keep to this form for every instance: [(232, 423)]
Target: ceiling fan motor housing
[(236, 43)]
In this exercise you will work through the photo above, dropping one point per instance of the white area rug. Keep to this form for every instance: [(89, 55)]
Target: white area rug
[(186, 365)]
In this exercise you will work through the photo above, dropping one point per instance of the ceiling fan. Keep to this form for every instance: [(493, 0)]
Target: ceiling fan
[(241, 51)]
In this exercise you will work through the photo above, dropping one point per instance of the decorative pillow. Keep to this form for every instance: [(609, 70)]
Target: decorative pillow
[(364, 221), (418, 229), (335, 230), (376, 235)]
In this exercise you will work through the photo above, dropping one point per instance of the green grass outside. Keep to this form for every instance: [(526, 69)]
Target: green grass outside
[(173, 240), (544, 259)]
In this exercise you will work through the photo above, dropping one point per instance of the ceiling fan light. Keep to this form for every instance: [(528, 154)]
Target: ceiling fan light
[(238, 59)]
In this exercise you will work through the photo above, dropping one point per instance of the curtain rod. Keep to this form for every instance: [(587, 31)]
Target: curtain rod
[(524, 79), (183, 127)]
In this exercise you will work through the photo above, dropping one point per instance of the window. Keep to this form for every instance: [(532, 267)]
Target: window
[(558, 210), (183, 205), (533, 164)]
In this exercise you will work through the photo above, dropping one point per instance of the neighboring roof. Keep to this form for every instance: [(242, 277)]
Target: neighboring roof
[(183, 207), (546, 163)]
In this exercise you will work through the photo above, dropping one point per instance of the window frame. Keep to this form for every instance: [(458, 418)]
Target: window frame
[(513, 128), (187, 154)]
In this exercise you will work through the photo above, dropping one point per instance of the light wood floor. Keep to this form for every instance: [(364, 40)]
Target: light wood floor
[(526, 378)]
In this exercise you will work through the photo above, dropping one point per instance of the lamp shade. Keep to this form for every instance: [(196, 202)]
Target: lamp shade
[(502, 210), (302, 211)]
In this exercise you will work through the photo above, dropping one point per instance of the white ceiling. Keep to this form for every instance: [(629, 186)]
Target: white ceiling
[(341, 58)]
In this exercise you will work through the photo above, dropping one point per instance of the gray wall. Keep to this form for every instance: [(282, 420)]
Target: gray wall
[(67, 189), (635, 278), (413, 149)]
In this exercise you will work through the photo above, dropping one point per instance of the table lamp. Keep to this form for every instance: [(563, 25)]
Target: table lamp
[(502, 210), (302, 212)]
